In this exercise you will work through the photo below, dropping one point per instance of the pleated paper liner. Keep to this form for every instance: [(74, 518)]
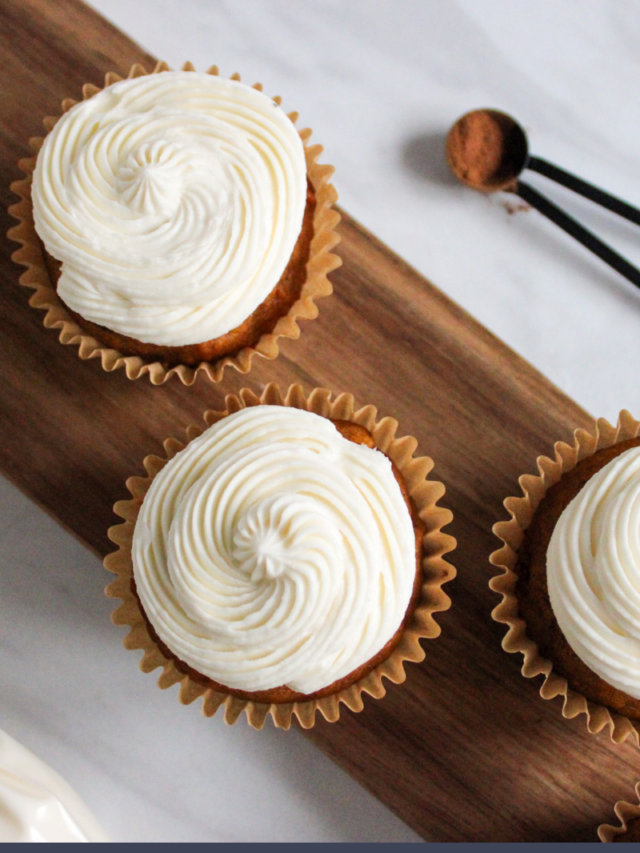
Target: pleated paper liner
[(422, 625), (629, 827), (36, 277), (522, 510)]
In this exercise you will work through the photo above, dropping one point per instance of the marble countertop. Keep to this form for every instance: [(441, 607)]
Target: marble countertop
[(380, 82)]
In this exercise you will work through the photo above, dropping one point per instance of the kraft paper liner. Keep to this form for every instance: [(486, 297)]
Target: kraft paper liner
[(321, 262), (422, 625), (511, 533), (625, 812)]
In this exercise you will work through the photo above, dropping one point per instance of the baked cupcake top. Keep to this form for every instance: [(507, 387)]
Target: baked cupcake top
[(272, 551), (173, 201), (593, 573)]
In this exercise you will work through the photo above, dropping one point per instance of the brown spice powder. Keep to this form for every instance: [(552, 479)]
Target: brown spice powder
[(486, 150)]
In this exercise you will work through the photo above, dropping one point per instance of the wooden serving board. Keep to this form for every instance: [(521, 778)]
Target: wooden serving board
[(465, 749)]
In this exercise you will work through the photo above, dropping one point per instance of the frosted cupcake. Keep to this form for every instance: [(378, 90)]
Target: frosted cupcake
[(280, 563), (183, 221), (571, 588)]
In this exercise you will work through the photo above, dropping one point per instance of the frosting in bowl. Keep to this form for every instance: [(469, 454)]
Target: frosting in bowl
[(173, 201), (36, 804), (272, 551), (593, 572)]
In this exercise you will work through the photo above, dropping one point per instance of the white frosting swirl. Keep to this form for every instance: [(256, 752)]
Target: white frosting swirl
[(36, 804), (174, 202), (593, 570), (272, 551)]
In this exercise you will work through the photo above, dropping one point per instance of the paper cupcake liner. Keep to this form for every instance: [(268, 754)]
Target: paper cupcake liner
[(625, 812), (422, 625), (321, 262), (522, 510)]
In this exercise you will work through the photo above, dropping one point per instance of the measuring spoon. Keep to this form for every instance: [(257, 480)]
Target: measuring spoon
[(488, 150)]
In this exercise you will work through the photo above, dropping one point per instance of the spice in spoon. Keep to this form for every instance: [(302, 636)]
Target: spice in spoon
[(486, 150)]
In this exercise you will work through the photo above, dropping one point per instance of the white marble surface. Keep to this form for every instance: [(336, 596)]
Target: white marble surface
[(380, 82)]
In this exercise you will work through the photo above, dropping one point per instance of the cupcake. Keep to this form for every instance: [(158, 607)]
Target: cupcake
[(181, 221), (571, 582), (284, 561), (628, 829)]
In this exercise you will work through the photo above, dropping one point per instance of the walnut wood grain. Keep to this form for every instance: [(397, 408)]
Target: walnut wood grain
[(465, 749)]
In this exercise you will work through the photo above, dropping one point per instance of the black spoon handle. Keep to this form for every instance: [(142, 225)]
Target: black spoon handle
[(579, 232), (577, 185)]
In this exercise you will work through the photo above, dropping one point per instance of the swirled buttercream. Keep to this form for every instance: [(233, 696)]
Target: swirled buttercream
[(173, 201), (36, 804), (593, 571), (272, 551)]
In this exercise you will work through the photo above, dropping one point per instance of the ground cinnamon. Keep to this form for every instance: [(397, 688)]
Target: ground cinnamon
[(486, 150)]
